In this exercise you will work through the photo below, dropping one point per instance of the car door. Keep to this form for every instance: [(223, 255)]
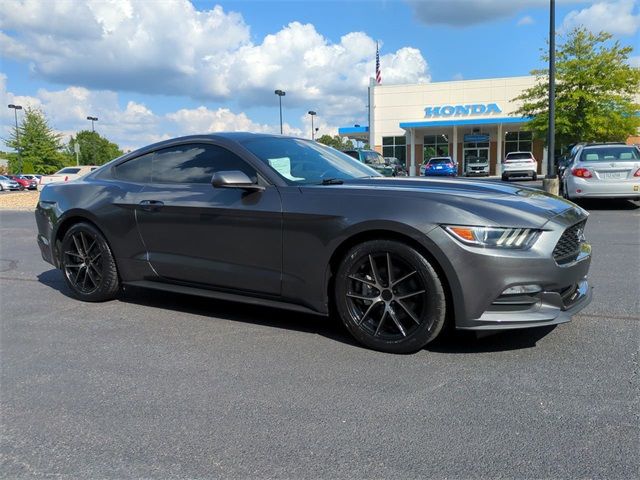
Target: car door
[(220, 237)]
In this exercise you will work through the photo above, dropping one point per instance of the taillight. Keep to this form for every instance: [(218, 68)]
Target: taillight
[(448, 165), (581, 172), (637, 174)]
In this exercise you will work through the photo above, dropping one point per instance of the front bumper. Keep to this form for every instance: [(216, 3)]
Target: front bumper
[(482, 275), (548, 308), (602, 189)]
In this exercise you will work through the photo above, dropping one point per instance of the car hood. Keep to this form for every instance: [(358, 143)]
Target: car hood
[(491, 200)]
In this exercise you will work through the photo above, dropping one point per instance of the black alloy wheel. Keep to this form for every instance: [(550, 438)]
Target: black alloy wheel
[(389, 297), (88, 264)]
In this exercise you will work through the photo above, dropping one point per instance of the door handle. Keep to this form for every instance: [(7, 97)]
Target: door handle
[(151, 205)]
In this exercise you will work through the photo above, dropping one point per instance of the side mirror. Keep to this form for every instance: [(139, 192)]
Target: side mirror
[(234, 179)]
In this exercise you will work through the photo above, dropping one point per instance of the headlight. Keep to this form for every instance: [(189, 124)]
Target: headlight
[(494, 237)]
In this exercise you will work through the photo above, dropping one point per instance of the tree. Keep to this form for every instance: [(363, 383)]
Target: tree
[(594, 92), (40, 148), (94, 149), (336, 142)]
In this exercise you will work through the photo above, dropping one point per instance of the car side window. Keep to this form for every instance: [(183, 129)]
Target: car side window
[(196, 163), (136, 170)]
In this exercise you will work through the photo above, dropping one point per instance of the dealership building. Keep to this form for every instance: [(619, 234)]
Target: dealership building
[(467, 120)]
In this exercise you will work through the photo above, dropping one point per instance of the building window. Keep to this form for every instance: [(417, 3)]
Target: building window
[(435, 146), (395, 147), (518, 142)]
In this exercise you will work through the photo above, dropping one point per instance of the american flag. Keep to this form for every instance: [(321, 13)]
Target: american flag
[(378, 74)]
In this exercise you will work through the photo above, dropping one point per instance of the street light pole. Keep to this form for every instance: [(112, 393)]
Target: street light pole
[(550, 183), (313, 114), (93, 119), (280, 93), (15, 113)]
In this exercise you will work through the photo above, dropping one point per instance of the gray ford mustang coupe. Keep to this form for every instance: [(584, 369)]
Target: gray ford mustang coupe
[(288, 222)]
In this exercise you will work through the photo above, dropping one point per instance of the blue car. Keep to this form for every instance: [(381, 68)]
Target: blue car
[(439, 166)]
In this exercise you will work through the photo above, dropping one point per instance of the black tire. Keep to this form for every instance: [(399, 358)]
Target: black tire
[(534, 177), (397, 314), (1, 188), (88, 265), (505, 178)]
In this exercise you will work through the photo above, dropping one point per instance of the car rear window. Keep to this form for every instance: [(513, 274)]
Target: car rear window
[(519, 156), (608, 154), (69, 170), (434, 161)]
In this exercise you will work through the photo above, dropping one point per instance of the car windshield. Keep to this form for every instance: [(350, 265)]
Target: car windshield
[(69, 170), (518, 156), (2, 177), (610, 154), (301, 162), (434, 161), (476, 160)]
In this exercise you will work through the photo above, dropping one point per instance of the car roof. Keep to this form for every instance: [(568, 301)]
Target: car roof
[(591, 146), (513, 153)]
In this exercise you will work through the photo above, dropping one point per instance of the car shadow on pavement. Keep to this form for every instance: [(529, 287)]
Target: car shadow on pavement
[(497, 341), (331, 327)]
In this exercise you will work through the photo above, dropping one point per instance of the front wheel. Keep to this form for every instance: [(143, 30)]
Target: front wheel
[(88, 264), (389, 297), (534, 177)]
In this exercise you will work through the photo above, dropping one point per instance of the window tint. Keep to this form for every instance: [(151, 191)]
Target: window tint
[(196, 163), (373, 158), (135, 170), (520, 156)]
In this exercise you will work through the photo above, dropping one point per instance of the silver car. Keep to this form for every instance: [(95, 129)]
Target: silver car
[(8, 184), (602, 171)]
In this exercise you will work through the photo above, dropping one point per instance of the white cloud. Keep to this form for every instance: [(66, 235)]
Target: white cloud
[(635, 61), (616, 17), (168, 47), (526, 20), (130, 127)]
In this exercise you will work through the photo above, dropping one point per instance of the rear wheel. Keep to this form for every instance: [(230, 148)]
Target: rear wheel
[(534, 177), (88, 264), (505, 178), (389, 297)]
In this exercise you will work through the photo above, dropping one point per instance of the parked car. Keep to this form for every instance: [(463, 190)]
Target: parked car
[(519, 165), (8, 184), (399, 169), (288, 222), (66, 175), (374, 160), (602, 171), (32, 176), (25, 183), (476, 166), (439, 166)]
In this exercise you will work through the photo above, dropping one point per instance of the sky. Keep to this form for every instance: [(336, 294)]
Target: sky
[(157, 69)]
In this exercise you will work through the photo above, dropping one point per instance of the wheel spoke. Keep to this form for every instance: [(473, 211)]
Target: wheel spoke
[(91, 246), (360, 297), (402, 279), (77, 245), (374, 271), (91, 277), (84, 280), (97, 272), (371, 307), (389, 271), (393, 316), (362, 280), (410, 313), (407, 295), (382, 319), (73, 254), (97, 256), (75, 280), (84, 243)]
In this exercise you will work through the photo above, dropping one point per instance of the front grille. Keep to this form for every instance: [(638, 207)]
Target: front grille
[(568, 247)]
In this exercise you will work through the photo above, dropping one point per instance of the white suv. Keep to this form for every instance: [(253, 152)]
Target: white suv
[(519, 164)]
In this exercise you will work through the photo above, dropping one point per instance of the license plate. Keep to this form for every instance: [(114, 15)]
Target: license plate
[(438, 168), (614, 175)]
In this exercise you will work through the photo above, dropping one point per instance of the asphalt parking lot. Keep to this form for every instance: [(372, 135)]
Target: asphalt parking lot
[(155, 385)]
